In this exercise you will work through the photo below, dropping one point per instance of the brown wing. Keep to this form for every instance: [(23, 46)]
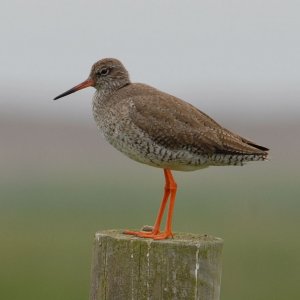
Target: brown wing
[(176, 124)]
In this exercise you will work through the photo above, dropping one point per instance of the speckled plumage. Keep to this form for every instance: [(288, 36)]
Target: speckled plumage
[(160, 130)]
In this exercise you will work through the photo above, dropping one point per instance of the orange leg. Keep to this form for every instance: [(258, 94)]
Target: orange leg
[(170, 191)]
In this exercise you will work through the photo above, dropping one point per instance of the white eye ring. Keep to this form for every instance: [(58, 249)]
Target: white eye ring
[(103, 72)]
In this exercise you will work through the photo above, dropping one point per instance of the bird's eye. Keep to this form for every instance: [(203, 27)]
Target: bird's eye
[(103, 72)]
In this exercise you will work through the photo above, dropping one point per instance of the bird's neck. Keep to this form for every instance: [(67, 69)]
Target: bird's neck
[(101, 95), (106, 92)]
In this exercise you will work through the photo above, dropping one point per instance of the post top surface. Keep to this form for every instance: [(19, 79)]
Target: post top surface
[(179, 238)]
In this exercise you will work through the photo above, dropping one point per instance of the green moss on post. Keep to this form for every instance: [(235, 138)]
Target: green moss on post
[(126, 267)]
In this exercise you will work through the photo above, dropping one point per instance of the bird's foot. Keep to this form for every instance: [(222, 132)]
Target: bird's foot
[(155, 235), (142, 233), (161, 236)]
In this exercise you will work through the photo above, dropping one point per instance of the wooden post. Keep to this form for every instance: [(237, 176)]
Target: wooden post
[(186, 267)]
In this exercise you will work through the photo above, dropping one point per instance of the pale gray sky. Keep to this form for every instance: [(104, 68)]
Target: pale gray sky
[(222, 56)]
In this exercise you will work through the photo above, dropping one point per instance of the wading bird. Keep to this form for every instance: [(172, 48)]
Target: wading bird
[(160, 130)]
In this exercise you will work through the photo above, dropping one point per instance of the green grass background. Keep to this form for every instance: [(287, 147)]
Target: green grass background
[(49, 212)]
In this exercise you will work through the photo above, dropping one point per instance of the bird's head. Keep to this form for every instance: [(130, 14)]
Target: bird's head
[(107, 74)]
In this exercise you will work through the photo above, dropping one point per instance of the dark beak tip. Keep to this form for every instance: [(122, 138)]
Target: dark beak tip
[(71, 91), (76, 88), (56, 98)]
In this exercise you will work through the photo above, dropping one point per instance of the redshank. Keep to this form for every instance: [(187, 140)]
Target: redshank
[(160, 130)]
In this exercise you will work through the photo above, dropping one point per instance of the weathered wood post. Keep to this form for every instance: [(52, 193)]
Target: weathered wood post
[(125, 267)]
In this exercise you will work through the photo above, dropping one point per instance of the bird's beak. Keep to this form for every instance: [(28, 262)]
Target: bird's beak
[(82, 85)]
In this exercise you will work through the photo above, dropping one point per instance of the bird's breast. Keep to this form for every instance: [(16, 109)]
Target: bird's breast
[(121, 132)]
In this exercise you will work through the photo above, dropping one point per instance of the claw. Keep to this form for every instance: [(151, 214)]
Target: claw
[(163, 236), (150, 235)]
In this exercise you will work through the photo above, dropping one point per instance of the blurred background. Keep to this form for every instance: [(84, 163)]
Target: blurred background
[(60, 181)]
